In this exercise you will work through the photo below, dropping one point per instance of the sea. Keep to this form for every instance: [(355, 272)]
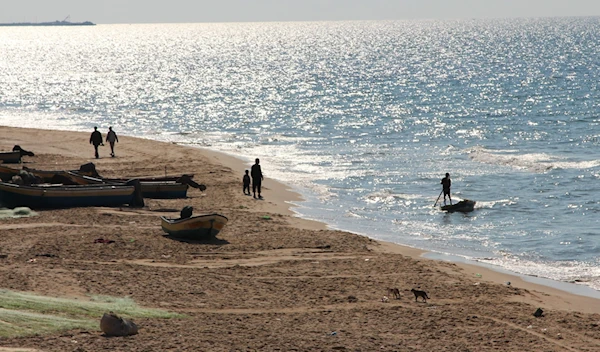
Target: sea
[(362, 118)]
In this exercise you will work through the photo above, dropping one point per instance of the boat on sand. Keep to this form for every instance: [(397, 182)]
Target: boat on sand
[(169, 187), (199, 227), (47, 196), (10, 157)]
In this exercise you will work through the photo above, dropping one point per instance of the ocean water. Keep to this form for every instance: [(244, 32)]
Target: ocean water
[(362, 118)]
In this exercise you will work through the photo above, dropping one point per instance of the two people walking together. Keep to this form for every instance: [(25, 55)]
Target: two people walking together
[(96, 141)]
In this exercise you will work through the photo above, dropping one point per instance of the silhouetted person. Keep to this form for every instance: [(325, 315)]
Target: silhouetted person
[(111, 138), (96, 140), (246, 181), (446, 183), (257, 177)]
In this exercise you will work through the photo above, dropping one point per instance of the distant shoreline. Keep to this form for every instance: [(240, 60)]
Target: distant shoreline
[(55, 23)]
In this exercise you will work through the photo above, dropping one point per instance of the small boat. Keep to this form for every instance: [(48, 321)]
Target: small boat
[(197, 227), (6, 173), (43, 176), (51, 176), (464, 206), (69, 196), (10, 157), (164, 189), (170, 187)]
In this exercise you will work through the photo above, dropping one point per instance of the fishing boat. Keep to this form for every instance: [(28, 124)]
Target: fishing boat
[(52, 176), (43, 176), (194, 227), (6, 173), (464, 206), (69, 196), (170, 187), (10, 157)]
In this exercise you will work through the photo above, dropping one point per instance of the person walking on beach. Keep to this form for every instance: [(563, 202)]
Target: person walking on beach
[(111, 137), (96, 140), (246, 181), (257, 177), (446, 183)]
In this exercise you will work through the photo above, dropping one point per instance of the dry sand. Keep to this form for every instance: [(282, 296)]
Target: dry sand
[(280, 283)]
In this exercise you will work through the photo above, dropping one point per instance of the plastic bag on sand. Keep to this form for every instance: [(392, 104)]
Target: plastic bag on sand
[(19, 212)]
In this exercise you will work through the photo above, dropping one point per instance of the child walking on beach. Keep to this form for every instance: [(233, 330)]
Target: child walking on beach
[(246, 181)]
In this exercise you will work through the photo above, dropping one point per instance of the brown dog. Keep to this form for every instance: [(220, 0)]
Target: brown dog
[(394, 292)]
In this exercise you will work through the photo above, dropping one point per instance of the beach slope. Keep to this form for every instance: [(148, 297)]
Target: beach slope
[(269, 281)]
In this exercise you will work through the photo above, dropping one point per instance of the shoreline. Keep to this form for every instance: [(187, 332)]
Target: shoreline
[(280, 196), (286, 196), (269, 280), (564, 290)]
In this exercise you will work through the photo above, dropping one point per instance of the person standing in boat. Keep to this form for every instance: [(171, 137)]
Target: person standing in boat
[(257, 177), (96, 140), (446, 183), (111, 138)]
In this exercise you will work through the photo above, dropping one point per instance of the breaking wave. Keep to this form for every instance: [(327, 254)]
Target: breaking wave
[(533, 162)]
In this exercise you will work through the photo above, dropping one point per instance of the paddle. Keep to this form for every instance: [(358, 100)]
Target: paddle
[(438, 198)]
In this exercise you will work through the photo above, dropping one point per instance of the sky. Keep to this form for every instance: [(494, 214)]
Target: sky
[(191, 11)]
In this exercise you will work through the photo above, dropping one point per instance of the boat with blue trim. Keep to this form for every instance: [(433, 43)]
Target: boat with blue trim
[(40, 196)]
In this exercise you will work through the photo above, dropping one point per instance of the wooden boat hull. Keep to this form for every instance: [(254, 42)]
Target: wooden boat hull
[(152, 187), (163, 189), (155, 188), (59, 196), (196, 227), (50, 176), (7, 173), (464, 206), (10, 157)]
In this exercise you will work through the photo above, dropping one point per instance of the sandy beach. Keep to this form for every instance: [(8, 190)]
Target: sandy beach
[(271, 281)]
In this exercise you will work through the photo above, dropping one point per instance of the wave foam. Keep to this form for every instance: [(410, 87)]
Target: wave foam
[(573, 272), (534, 162)]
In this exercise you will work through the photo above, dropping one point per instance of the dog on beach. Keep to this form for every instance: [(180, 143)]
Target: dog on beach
[(394, 292), (421, 294)]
